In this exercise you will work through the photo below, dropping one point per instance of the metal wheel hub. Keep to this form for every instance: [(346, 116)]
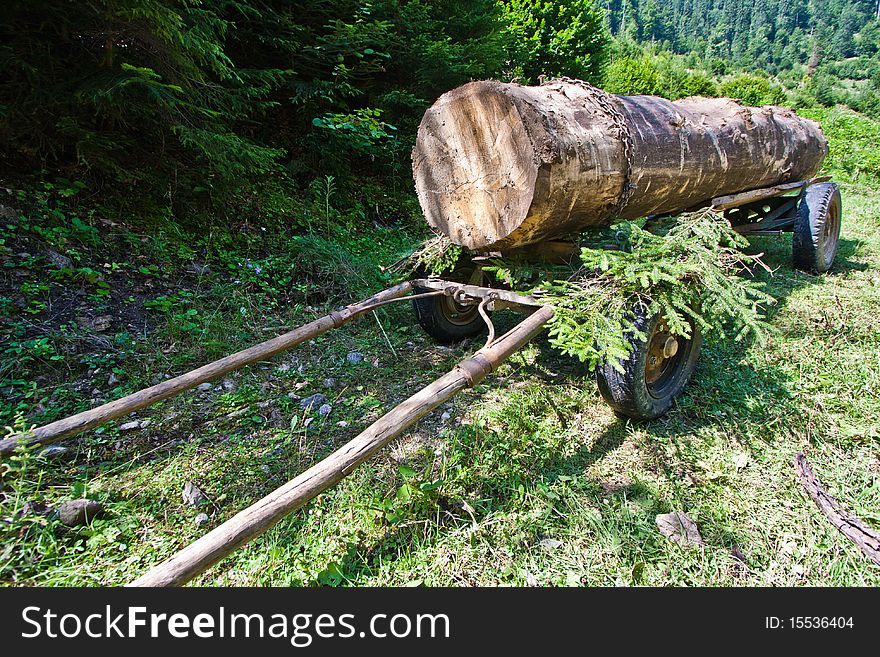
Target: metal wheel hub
[(457, 308), (830, 231), (663, 347), (457, 313)]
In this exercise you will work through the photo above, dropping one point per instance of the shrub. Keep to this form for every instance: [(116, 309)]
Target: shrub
[(553, 39), (853, 155), (753, 90), (633, 75)]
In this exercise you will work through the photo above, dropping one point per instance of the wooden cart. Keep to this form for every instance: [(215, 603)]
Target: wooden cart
[(451, 310), (658, 370)]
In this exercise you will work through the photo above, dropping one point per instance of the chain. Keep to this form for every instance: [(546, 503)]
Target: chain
[(605, 101)]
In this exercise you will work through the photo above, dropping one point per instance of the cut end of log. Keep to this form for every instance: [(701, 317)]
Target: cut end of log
[(474, 165)]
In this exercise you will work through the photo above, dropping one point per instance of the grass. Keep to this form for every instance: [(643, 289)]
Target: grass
[(528, 479)]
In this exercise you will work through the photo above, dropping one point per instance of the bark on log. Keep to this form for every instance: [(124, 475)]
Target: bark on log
[(259, 517), (498, 166), (97, 416)]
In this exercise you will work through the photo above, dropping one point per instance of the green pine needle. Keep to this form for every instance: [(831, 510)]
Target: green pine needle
[(693, 273)]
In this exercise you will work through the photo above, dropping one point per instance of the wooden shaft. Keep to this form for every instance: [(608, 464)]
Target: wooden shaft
[(259, 517), (94, 417)]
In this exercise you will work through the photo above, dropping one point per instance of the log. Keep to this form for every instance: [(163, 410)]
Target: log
[(259, 517), (498, 166), (97, 416)]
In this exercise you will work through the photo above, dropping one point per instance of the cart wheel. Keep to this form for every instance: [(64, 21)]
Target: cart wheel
[(817, 228), (654, 374), (443, 318)]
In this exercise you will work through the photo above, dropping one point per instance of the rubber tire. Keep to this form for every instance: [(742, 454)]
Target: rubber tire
[(430, 315), (627, 392), (809, 243)]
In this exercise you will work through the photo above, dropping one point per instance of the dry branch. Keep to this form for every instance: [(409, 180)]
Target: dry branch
[(849, 525)]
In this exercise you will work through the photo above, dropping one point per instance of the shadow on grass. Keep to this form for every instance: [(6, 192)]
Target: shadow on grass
[(726, 394), (724, 391), (775, 251)]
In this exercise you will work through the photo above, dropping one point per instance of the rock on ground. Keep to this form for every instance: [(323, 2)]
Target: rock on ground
[(193, 495), (679, 527), (33, 508), (60, 261), (79, 512), (54, 451), (313, 401)]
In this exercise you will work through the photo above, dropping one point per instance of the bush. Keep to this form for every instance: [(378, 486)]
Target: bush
[(865, 100), (633, 75), (554, 39), (678, 82), (853, 155), (697, 84), (753, 90), (822, 87)]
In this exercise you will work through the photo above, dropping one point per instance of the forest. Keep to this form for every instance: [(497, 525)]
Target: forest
[(181, 179), (188, 104)]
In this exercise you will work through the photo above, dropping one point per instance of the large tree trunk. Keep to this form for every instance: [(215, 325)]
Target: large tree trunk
[(501, 165)]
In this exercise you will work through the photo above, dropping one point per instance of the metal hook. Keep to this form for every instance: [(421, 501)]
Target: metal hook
[(482, 310)]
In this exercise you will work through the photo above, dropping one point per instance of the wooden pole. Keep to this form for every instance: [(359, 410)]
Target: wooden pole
[(259, 517), (94, 417)]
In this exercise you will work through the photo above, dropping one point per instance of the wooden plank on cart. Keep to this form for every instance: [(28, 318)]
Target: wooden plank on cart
[(751, 196)]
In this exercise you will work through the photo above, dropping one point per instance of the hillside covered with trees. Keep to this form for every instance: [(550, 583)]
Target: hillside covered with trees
[(827, 49), (774, 35)]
